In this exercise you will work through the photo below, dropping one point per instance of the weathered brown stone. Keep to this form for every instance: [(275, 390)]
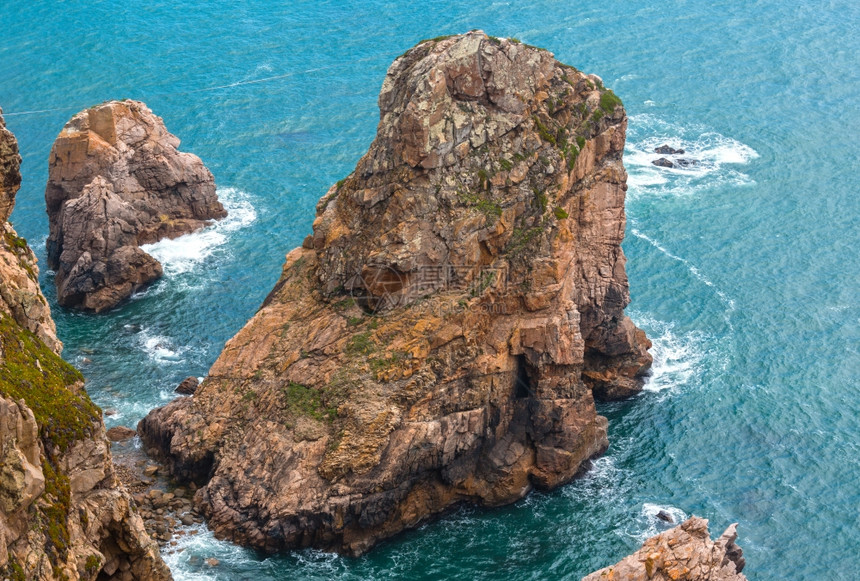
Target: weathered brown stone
[(116, 181), (188, 386), (440, 337), (684, 553), (120, 433)]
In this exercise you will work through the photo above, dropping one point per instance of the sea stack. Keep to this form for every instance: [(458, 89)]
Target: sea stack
[(442, 335), (684, 553), (117, 181), (63, 513)]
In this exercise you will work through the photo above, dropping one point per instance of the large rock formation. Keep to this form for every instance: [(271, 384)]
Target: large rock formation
[(684, 553), (63, 514), (441, 335), (116, 181)]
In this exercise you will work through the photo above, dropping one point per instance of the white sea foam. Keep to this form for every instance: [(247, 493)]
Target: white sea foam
[(183, 254), (649, 525), (678, 356), (187, 559), (159, 348), (716, 157)]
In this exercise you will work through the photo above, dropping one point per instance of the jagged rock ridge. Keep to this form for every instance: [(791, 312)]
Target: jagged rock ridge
[(441, 336), (63, 514), (684, 553), (116, 181)]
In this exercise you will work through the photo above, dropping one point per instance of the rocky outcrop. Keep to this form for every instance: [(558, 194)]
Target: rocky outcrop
[(441, 336), (63, 514), (116, 181), (684, 553)]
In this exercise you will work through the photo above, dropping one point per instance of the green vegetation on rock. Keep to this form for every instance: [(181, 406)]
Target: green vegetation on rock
[(609, 101), (32, 372), (303, 400)]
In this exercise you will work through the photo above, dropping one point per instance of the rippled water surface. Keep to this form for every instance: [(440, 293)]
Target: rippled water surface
[(743, 269)]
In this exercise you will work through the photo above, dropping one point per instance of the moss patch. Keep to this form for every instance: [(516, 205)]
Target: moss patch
[(306, 401), (609, 101), (32, 372)]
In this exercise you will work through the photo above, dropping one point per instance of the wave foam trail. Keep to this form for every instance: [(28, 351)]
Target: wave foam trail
[(183, 254), (724, 298), (713, 153), (159, 348), (678, 357)]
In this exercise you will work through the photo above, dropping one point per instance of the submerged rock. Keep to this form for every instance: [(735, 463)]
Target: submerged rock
[(440, 337), (680, 162), (665, 516), (663, 162), (63, 514), (667, 150), (116, 181), (684, 553)]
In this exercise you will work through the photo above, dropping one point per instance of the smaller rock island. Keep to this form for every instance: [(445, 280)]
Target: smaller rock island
[(117, 181), (684, 553)]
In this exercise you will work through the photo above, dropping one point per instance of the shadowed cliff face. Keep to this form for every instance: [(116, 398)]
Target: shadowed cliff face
[(63, 514), (116, 181), (440, 337)]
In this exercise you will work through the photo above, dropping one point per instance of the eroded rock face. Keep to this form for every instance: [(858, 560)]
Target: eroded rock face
[(440, 337), (684, 553), (63, 514), (116, 181)]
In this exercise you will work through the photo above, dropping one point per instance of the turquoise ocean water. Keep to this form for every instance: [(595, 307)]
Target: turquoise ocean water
[(744, 270)]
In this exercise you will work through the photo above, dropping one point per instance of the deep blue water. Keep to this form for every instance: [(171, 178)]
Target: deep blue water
[(744, 270)]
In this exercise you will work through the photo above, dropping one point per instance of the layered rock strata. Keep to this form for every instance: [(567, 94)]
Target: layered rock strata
[(117, 181), (63, 514), (441, 336), (684, 553)]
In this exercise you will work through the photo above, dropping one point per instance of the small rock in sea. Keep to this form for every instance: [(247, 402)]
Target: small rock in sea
[(110, 412), (86, 361), (120, 433), (187, 520), (667, 150), (188, 386), (663, 162), (683, 162), (150, 470), (665, 517), (213, 562), (87, 351)]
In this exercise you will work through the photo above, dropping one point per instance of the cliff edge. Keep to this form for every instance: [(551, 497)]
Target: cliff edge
[(63, 514), (116, 180), (441, 336)]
